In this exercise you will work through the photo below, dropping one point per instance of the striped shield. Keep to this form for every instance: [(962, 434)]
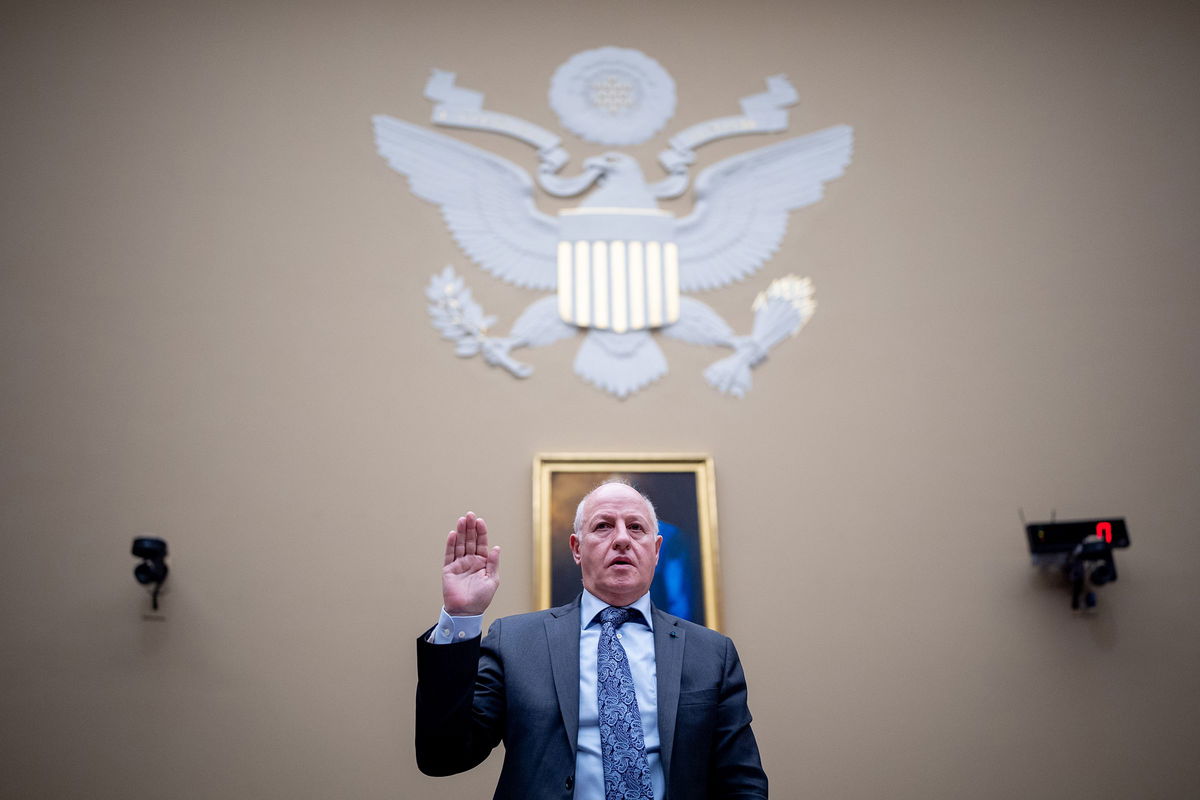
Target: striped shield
[(618, 268)]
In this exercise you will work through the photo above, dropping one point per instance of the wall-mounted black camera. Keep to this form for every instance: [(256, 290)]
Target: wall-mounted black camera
[(153, 569), (1082, 549)]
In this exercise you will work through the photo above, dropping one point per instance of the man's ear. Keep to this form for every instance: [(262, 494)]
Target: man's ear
[(574, 540), (657, 547)]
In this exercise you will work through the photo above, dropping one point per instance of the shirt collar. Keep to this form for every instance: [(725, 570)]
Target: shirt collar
[(591, 605)]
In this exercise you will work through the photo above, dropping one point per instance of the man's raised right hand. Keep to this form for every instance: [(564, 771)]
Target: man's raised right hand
[(470, 572)]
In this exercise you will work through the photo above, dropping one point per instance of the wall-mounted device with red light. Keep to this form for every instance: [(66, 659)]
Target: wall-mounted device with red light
[(1082, 548)]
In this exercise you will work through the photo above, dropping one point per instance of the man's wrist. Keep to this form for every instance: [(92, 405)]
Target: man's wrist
[(463, 612), (453, 628)]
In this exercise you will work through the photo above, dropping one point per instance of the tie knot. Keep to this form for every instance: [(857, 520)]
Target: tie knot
[(618, 616)]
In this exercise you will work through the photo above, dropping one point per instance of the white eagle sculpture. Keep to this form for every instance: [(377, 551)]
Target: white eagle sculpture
[(617, 262)]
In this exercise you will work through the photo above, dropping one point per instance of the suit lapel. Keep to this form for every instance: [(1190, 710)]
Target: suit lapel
[(668, 663), (562, 634)]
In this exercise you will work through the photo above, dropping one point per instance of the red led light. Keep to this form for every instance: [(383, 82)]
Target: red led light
[(1104, 531)]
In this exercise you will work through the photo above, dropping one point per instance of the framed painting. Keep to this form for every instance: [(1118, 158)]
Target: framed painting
[(683, 490)]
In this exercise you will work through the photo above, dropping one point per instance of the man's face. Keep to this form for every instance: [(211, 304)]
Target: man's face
[(616, 549)]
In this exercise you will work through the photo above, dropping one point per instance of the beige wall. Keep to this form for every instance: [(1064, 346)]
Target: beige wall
[(212, 329)]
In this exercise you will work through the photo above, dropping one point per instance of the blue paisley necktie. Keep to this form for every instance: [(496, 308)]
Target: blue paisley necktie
[(622, 745)]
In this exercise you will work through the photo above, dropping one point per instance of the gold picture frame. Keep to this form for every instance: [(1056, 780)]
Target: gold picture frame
[(683, 490)]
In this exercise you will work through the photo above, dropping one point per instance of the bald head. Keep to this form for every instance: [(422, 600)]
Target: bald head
[(579, 509)]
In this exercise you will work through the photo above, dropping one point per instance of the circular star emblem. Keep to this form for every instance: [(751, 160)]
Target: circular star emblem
[(612, 96)]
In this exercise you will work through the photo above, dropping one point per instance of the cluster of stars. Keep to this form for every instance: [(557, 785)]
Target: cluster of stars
[(612, 94)]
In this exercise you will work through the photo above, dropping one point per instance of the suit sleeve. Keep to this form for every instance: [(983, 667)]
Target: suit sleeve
[(460, 703), (736, 769)]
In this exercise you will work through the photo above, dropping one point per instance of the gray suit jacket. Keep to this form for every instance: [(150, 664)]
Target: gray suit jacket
[(520, 685)]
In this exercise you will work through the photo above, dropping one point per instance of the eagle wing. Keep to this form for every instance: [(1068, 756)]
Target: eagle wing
[(487, 201), (742, 205)]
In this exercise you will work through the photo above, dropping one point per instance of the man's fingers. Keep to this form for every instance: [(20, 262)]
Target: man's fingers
[(493, 562), (460, 540), (481, 542), (469, 538), (469, 545)]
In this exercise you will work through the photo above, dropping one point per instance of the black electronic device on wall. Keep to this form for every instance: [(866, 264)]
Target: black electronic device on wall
[(153, 569), (1082, 549), (1049, 540)]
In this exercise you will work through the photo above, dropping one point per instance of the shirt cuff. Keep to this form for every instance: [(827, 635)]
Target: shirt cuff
[(455, 629)]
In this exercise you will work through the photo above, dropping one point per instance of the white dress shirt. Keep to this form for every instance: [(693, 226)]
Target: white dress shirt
[(638, 640)]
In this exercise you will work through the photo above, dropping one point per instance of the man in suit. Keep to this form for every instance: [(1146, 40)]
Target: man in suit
[(605, 698)]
